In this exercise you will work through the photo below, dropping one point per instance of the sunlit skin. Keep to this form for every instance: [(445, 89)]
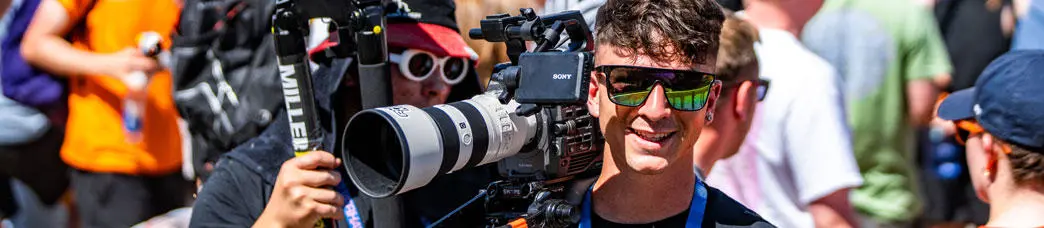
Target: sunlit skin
[(1012, 204), (977, 159), (625, 148), (732, 120), (645, 180)]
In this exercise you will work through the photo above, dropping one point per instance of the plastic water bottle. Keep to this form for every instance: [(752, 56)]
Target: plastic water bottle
[(137, 89), (134, 105)]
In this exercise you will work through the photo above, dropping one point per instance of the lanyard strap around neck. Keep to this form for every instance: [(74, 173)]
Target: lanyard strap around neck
[(696, 207)]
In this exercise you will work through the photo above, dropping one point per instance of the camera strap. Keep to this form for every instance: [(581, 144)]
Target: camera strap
[(696, 207), (351, 213)]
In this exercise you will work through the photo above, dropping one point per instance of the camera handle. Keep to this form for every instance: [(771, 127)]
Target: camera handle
[(296, 75), (365, 22)]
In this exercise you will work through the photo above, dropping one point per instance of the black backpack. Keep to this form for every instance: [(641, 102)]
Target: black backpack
[(226, 80)]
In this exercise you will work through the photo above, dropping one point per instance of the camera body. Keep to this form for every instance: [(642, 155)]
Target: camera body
[(394, 149), (557, 81), (532, 121), (554, 78)]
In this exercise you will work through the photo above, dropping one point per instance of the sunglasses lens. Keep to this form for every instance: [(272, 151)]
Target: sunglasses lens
[(632, 99), (628, 86), (762, 90), (454, 69), (688, 100), (420, 65), (689, 93), (631, 87)]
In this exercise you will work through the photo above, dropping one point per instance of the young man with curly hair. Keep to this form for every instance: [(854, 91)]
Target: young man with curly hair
[(651, 90)]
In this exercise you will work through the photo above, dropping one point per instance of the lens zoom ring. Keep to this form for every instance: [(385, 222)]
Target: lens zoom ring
[(450, 141), (479, 128)]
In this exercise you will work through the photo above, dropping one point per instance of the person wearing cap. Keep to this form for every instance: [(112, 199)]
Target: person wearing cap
[(262, 184), (1001, 123)]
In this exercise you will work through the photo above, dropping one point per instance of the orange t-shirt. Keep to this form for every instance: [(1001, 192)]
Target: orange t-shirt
[(95, 139)]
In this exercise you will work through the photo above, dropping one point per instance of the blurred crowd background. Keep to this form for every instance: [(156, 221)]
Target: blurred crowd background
[(890, 62)]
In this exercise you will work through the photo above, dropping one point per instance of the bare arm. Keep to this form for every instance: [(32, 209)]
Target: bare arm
[(44, 46), (833, 210), (921, 96)]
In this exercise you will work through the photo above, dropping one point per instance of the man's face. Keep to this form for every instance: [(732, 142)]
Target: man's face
[(648, 138), (431, 90)]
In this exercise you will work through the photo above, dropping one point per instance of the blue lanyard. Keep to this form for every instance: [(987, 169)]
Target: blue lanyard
[(696, 207), (351, 213)]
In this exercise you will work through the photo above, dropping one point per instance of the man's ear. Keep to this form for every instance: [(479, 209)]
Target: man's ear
[(745, 99), (990, 147), (712, 98), (988, 143), (592, 95)]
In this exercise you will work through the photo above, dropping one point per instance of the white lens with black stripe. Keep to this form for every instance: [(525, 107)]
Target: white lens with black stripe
[(395, 149)]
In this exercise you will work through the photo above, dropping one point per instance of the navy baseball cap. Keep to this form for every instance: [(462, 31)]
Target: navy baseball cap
[(1007, 100)]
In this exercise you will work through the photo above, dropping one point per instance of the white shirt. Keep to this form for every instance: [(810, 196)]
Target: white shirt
[(799, 146)]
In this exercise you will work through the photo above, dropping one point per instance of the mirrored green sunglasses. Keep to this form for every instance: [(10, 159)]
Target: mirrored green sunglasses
[(630, 86)]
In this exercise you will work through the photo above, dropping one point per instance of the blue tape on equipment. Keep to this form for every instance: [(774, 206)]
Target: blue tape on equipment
[(351, 213)]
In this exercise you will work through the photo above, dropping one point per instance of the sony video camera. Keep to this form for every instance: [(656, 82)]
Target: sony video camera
[(532, 120)]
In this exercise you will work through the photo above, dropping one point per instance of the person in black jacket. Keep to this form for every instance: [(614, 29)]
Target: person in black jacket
[(261, 183)]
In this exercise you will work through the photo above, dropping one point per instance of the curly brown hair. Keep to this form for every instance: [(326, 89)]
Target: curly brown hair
[(640, 27)]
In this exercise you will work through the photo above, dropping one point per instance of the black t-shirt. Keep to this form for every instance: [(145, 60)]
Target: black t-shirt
[(673, 221), (721, 211), (973, 36)]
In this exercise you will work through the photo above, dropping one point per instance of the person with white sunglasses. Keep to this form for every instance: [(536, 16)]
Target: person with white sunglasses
[(261, 183), (421, 77)]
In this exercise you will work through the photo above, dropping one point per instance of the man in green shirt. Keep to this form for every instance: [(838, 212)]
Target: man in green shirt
[(892, 63)]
